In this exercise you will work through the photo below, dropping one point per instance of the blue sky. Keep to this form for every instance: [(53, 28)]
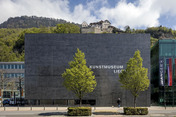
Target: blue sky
[(135, 13)]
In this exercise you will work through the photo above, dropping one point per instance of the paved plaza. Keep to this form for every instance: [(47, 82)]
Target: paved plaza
[(154, 111)]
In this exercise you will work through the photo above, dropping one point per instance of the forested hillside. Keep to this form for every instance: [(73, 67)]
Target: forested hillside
[(155, 32), (30, 22), (8, 38), (12, 39)]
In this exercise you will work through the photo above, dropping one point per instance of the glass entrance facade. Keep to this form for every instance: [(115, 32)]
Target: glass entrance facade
[(163, 73)]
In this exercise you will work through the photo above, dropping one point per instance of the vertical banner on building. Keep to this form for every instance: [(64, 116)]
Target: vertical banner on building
[(161, 71), (175, 71), (169, 71)]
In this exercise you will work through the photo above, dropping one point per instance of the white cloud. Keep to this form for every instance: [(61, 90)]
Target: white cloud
[(94, 5), (165, 6), (140, 13), (46, 8), (80, 14)]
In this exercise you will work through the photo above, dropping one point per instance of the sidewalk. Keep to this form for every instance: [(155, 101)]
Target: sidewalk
[(154, 111)]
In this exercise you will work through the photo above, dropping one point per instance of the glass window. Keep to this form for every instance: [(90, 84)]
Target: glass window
[(8, 67), (22, 66), (22, 75), (166, 50), (10, 75), (15, 66), (12, 66), (4, 75)]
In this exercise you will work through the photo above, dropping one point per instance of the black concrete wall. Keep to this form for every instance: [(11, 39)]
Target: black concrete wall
[(47, 57)]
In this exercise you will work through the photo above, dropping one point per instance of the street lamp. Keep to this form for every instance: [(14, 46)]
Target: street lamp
[(20, 78)]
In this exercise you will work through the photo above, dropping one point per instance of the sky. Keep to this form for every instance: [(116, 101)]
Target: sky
[(138, 14)]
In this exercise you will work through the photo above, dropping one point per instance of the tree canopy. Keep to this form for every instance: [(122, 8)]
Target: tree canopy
[(78, 78), (67, 28), (135, 77)]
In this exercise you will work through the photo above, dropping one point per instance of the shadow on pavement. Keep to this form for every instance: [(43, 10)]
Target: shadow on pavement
[(52, 113), (107, 113)]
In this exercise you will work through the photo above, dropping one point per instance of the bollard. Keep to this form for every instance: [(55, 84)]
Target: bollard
[(4, 108), (44, 107), (18, 107), (31, 107), (57, 107)]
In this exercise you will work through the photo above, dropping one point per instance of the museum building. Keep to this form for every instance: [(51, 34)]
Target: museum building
[(47, 56), (163, 72)]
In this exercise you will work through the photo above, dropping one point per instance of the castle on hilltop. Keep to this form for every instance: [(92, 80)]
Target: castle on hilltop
[(97, 27)]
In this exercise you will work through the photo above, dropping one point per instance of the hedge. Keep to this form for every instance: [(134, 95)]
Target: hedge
[(79, 111), (135, 111)]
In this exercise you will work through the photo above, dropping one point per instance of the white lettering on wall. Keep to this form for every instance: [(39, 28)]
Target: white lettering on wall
[(115, 68)]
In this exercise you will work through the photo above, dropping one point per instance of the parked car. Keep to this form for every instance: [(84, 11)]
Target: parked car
[(6, 101), (17, 101)]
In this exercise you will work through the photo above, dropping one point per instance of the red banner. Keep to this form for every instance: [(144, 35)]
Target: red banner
[(170, 71), (175, 70)]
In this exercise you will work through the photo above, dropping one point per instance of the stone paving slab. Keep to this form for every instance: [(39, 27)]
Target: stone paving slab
[(97, 112), (32, 108)]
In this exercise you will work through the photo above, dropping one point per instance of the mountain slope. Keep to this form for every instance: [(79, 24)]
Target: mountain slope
[(32, 21)]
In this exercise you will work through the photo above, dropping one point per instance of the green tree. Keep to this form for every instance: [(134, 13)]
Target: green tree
[(67, 28), (79, 78), (134, 78), (6, 54), (127, 29)]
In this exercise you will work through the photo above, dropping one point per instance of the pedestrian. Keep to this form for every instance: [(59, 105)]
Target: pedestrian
[(118, 102)]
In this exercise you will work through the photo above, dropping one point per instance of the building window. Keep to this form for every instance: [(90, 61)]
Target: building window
[(15, 66), (9, 67), (22, 66), (12, 66)]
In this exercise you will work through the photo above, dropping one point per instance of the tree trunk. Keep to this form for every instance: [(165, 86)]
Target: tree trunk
[(134, 101), (80, 102)]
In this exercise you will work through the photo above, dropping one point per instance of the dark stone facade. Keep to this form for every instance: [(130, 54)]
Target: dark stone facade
[(47, 57)]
